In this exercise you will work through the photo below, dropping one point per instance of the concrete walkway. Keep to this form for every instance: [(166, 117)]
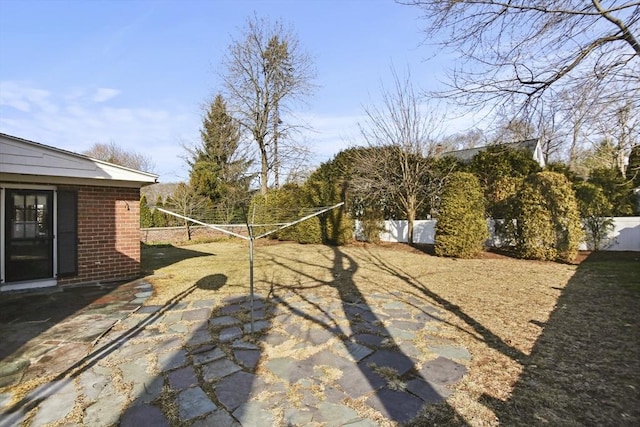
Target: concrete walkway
[(310, 361)]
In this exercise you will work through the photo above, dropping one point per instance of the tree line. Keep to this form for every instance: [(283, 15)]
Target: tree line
[(580, 99)]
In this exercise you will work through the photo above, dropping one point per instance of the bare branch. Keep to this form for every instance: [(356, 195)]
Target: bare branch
[(516, 51), (393, 169)]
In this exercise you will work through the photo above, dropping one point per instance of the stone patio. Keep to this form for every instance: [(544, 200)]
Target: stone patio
[(309, 362)]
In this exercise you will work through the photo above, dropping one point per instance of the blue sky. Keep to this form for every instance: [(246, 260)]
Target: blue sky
[(138, 72)]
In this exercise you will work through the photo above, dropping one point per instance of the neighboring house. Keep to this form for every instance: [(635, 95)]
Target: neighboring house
[(66, 218), (531, 145)]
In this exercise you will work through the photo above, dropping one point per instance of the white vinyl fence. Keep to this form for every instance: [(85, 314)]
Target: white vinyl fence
[(625, 235)]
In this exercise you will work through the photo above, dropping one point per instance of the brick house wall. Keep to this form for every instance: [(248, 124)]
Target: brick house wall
[(108, 234)]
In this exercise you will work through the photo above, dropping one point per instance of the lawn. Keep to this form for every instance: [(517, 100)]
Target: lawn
[(551, 343)]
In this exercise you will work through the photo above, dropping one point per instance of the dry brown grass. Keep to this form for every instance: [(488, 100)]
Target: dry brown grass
[(551, 343)]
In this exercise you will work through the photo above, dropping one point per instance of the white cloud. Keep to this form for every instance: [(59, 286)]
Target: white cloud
[(18, 95), (104, 94), (77, 122)]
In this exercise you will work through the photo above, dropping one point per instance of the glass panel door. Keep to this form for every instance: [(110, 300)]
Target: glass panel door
[(28, 235)]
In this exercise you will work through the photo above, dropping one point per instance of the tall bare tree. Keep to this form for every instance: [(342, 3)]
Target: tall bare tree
[(512, 128), (551, 132), (513, 51), (401, 136), (265, 73), (579, 110)]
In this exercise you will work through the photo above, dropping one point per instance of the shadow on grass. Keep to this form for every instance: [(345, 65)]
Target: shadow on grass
[(584, 368), (212, 282), (491, 339), (155, 257)]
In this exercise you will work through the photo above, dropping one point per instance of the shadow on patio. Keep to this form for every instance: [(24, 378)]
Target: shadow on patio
[(381, 367)]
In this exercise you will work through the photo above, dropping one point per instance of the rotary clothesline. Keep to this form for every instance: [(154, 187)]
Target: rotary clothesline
[(280, 222)]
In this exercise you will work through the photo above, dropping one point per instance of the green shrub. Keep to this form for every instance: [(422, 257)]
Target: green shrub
[(461, 229), (336, 227), (306, 232), (327, 187), (618, 190), (595, 211), (493, 165), (284, 205), (504, 196), (548, 220), (146, 217)]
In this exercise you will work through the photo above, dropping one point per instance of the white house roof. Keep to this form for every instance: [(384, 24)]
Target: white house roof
[(27, 161)]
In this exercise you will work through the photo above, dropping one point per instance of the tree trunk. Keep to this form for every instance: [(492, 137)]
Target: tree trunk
[(264, 172), (573, 151), (186, 225), (411, 216), (276, 165)]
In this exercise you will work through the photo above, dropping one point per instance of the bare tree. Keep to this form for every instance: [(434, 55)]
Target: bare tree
[(512, 128), (159, 190), (400, 136), (578, 113), (551, 133), (265, 73), (468, 139), (514, 51), (624, 132), (115, 154), (185, 201)]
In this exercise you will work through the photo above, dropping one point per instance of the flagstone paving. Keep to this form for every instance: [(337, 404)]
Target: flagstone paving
[(196, 362)]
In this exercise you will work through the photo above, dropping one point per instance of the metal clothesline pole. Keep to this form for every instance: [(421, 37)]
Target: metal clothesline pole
[(251, 238), (250, 228)]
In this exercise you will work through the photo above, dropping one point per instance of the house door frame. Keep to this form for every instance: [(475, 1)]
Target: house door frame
[(49, 280)]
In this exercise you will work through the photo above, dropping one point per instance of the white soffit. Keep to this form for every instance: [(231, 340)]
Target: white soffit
[(22, 157)]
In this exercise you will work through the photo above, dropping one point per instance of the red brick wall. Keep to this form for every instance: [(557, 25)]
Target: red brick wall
[(108, 234)]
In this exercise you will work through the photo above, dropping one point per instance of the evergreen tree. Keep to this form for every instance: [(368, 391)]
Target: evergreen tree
[(159, 218), (218, 172), (500, 170), (461, 230), (617, 189), (146, 217), (633, 168)]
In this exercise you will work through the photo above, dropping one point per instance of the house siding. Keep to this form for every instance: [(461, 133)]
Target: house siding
[(108, 234)]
